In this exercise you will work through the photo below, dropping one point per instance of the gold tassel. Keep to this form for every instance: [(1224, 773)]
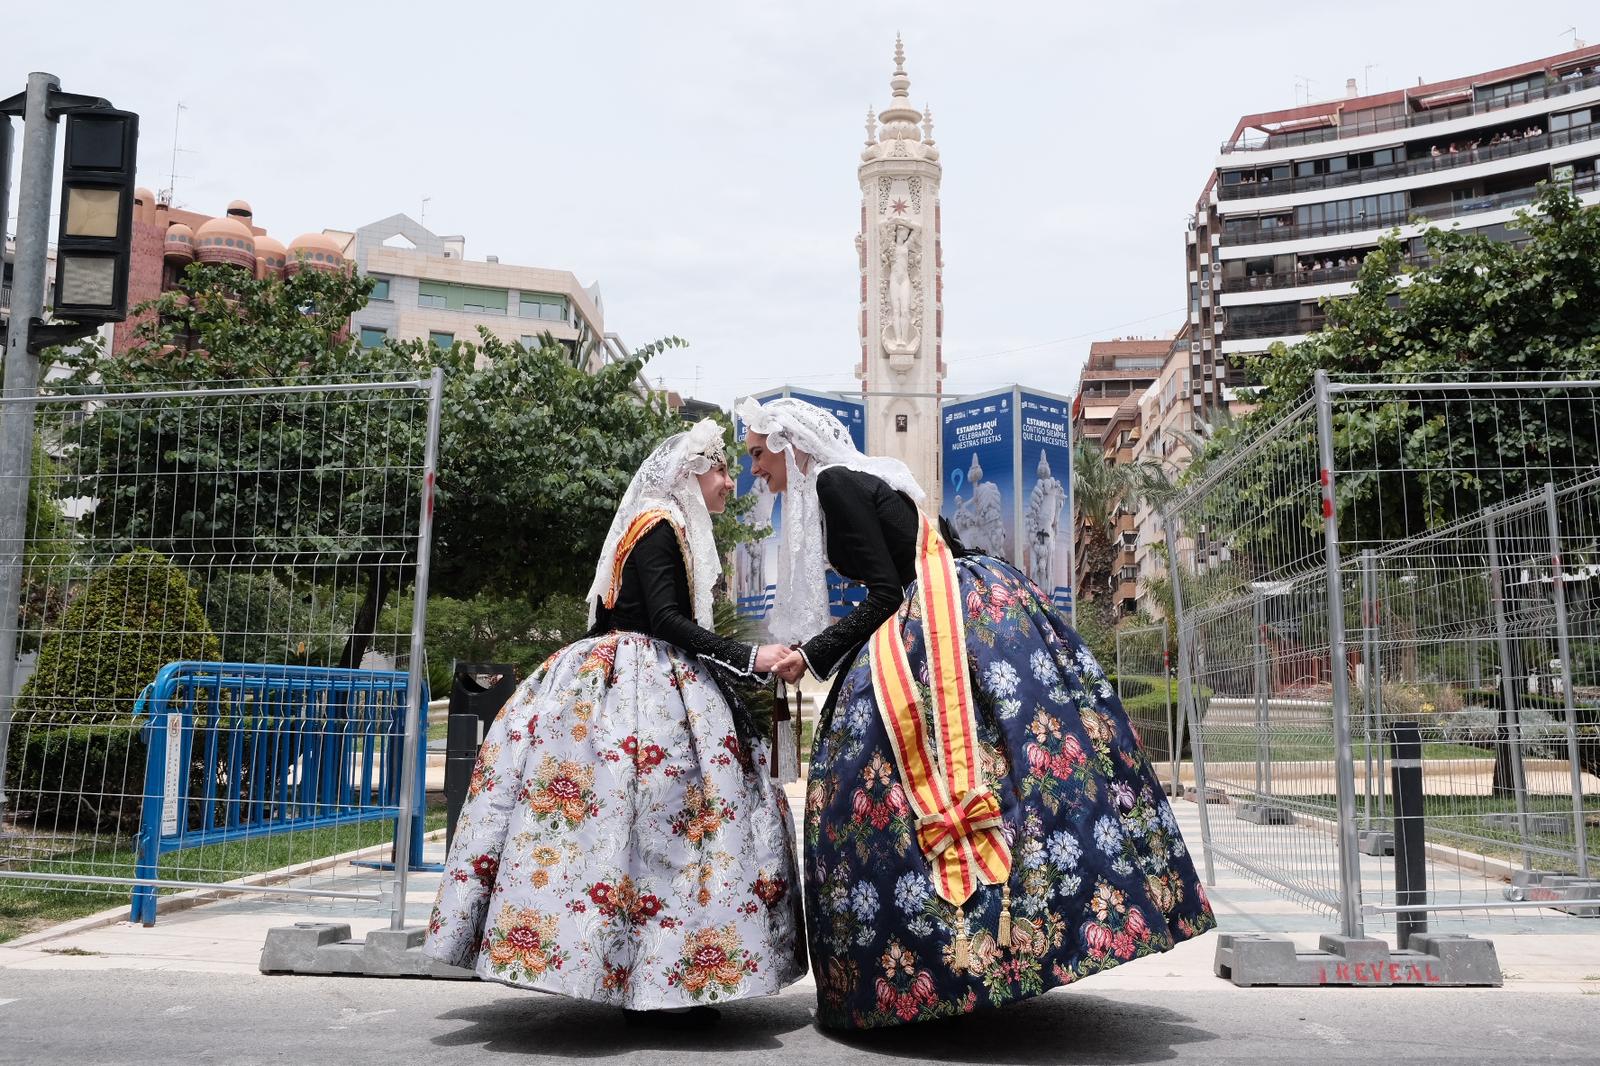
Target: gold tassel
[(963, 953), (1004, 932)]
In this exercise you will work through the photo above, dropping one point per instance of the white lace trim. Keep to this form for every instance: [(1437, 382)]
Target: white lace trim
[(794, 427), (666, 481)]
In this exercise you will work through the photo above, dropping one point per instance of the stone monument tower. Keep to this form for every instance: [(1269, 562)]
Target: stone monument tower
[(902, 310)]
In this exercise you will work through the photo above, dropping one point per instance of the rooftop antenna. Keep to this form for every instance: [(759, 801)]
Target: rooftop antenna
[(1366, 84), (1303, 82), (1573, 30), (424, 219), (170, 192)]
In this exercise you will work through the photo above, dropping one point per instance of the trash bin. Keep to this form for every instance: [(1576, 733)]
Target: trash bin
[(477, 693)]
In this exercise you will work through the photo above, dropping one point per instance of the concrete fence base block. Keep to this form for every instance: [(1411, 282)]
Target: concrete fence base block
[(1434, 960), (313, 948), (1375, 842), (1554, 825), (1264, 814), (1556, 889), (294, 948), (1213, 795)]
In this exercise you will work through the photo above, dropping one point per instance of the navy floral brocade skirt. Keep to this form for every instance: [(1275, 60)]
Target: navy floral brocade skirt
[(1100, 873)]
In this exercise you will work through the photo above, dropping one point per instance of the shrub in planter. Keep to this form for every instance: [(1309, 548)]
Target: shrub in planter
[(73, 753)]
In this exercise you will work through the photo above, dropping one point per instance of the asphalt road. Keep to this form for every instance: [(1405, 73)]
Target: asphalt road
[(136, 1017)]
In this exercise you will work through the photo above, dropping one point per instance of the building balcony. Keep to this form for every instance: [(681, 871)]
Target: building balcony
[(1356, 127), (1307, 321), (1246, 233), (1444, 162), (1301, 276)]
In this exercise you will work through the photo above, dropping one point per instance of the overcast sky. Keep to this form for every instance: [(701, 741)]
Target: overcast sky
[(698, 160)]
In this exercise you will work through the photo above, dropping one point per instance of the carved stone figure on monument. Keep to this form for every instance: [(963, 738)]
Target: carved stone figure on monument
[(902, 297)]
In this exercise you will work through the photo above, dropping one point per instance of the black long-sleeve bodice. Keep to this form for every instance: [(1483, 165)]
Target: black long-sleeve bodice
[(654, 599), (871, 539)]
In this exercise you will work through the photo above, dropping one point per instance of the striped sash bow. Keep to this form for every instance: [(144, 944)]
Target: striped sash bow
[(937, 833), (959, 827)]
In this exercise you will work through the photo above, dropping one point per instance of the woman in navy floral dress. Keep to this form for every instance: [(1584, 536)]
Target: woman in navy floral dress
[(982, 823)]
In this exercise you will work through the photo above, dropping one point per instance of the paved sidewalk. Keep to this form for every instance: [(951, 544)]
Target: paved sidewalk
[(226, 936)]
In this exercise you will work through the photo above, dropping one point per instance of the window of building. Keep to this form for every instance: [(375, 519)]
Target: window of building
[(443, 340), (529, 341), (1571, 119), (1361, 212), (373, 337), (1509, 89), (544, 306), (471, 299), (380, 289)]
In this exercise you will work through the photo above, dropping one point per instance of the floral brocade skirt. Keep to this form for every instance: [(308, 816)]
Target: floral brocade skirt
[(1100, 874), (618, 844)]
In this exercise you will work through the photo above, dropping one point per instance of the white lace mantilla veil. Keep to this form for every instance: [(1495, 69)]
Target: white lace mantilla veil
[(666, 481), (800, 605)]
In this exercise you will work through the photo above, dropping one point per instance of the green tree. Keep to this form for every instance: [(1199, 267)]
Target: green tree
[(1100, 487), (534, 453), (1474, 308), (47, 552), (487, 628)]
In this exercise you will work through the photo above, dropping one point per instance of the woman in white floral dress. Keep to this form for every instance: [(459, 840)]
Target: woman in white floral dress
[(622, 841)]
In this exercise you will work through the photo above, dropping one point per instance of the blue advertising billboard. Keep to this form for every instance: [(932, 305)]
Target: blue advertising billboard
[(1045, 488), (755, 563), (1008, 481), (979, 446)]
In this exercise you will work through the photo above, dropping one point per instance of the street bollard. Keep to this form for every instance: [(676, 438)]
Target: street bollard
[(1410, 871)]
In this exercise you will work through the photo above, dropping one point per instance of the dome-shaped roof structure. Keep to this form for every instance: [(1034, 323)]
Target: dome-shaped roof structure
[(144, 205), (271, 256), (226, 240), (315, 251), (240, 207), (179, 243)]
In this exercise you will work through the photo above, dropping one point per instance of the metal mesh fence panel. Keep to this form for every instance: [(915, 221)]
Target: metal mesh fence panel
[(1468, 514), (1388, 555), (1149, 695), (252, 537), (1247, 541)]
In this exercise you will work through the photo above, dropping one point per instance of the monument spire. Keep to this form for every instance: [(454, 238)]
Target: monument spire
[(900, 114), (901, 313)]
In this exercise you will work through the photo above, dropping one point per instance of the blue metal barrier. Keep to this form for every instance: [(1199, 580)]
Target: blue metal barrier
[(281, 749)]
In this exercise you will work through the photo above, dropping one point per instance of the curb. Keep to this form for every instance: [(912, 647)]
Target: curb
[(187, 900)]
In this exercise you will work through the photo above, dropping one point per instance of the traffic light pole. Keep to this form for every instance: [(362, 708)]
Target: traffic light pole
[(22, 378)]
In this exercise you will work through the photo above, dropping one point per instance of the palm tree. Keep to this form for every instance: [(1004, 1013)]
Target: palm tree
[(1099, 486)]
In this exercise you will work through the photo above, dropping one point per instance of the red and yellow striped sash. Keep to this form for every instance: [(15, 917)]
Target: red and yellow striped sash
[(958, 818), (642, 524)]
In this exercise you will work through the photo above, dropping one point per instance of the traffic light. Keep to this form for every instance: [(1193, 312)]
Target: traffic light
[(96, 236)]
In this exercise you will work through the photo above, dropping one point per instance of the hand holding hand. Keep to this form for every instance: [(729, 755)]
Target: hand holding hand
[(768, 656), (792, 668)]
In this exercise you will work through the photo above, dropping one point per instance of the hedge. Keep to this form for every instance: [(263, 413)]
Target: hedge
[(72, 753)]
